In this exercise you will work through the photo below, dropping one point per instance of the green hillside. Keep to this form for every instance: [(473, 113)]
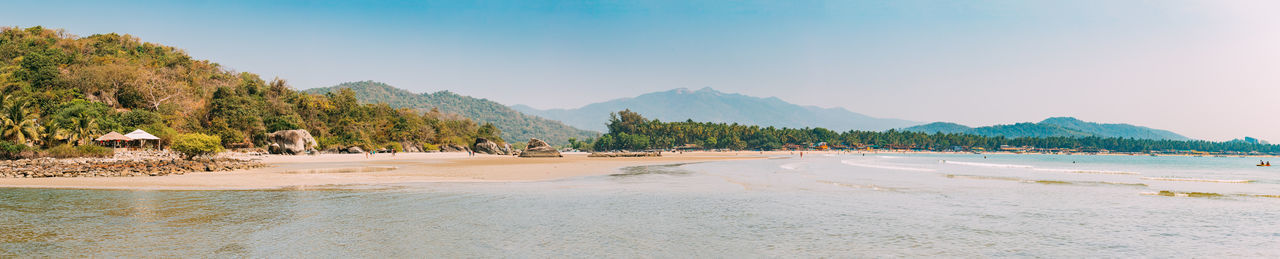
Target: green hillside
[(515, 126), (63, 89)]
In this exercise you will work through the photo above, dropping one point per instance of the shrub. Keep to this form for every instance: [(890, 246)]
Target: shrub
[(10, 150), (393, 146), (429, 146), (95, 151), (68, 151), (196, 144)]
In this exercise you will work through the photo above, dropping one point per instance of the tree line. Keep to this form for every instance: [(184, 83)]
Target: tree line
[(630, 131)]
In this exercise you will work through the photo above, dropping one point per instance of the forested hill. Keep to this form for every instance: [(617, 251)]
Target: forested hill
[(711, 105), (1054, 127), (62, 89), (515, 126)]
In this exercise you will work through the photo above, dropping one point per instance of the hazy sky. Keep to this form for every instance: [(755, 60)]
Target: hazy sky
[(1207, 69)]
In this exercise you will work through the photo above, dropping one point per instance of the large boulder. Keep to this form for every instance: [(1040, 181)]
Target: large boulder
[(355, 150), (538, 148), (484, 146), (291, 142), (410, 146), (453, 148), (506, 149)]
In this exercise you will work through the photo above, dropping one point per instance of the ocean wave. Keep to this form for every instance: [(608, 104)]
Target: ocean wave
[(791, 166), (859, 186), (1021, 180), (1083, 171), (890, 167), (889, 157), (1186, 194), (983, 177), (987, 164), (1195, 180)]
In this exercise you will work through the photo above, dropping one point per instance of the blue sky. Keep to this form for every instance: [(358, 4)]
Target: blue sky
[(1206, 69)]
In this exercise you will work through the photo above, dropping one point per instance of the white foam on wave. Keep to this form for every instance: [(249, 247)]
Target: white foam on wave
[(987, 164), (1083, 171), (889, 157), (1195, 180), (890, 167)]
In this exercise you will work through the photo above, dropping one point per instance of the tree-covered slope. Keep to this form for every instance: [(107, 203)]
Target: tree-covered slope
[(714, 106), (62, 89), (1053, 127), (515, 126)]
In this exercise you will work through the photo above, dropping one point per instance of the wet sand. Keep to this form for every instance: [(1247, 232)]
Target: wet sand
[(328, 170)]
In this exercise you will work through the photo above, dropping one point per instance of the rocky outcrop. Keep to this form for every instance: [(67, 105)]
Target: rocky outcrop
[(50, 167), (410, 146), (626, 154), (355, 150), (290, 142), (484, 146), (453, 148), (538, 148), (506, 149)]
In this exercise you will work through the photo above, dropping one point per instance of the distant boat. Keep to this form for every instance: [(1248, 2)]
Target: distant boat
[(1268, 163)]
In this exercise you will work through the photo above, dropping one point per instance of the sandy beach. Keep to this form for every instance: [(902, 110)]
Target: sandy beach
[(328, 170)]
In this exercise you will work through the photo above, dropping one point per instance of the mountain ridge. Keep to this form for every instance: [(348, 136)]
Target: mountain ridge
[(1053, 127), (516, 126), (708, 104)]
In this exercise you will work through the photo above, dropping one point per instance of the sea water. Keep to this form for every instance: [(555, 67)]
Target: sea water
[(833, 205)]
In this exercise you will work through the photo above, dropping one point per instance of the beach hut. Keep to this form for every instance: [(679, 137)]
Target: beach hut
[(113, 137), (142, 137)]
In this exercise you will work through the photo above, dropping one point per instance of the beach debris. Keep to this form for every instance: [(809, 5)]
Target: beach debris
[(538, 148)]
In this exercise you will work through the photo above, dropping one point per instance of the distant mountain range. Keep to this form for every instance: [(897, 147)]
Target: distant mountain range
[(708, 104), (1053, 127), (516, 127)]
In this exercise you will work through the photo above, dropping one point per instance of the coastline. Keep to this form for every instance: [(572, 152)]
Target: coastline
[(327, 170)]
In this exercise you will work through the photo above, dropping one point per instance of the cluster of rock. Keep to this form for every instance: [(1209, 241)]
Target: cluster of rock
[(291, 142), (626, 154), (538, 148), (484, 146), (294, 142), (454, 148), (82, 167)]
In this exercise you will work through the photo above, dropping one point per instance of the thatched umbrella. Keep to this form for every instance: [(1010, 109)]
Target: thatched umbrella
[(142, 137), (114, 137)]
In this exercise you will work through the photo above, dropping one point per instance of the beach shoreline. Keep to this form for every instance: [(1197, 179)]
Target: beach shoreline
[(331, 170)]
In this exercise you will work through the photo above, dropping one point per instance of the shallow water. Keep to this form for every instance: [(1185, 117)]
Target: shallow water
[(818, 206)]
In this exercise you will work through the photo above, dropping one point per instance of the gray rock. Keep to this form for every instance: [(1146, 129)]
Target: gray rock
[(355, 149), (538, 148), (292, 142), (484, 146), (453, 148), (410, 146)]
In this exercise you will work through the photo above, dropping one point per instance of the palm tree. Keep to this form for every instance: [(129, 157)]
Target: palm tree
[(81, 127), (18, 122)]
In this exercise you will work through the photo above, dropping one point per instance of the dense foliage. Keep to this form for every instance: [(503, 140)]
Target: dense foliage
[(59, 89), (630, 130), (515, 126)]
